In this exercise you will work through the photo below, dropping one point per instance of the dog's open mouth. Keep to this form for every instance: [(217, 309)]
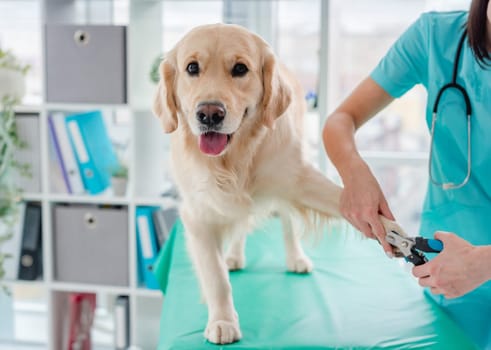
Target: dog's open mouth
[(213, 143)]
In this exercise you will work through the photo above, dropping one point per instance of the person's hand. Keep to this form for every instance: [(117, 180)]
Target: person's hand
[(362, 201), (457, 270)]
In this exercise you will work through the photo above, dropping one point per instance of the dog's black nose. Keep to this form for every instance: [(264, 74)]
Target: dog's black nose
[(210, 114)]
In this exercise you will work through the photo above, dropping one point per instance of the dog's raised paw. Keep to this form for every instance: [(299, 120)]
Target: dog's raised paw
[(301, 264), (235, 262), (222, 332)]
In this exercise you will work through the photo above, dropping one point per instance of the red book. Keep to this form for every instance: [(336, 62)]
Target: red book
[(81, 316)]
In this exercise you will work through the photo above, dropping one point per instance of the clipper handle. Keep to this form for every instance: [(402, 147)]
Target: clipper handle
[(429, 245)]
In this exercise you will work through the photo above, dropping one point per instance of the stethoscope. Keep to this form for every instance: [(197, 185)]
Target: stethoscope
[(461, 89)]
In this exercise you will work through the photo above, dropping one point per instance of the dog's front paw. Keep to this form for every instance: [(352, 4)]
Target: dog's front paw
[(235, 262), (300, 264), (222, 332)]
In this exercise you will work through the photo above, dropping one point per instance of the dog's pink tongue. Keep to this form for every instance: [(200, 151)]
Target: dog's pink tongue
[(212, 143)]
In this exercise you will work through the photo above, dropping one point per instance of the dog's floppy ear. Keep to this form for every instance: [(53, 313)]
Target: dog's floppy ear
[(276, 95), (164, 104)]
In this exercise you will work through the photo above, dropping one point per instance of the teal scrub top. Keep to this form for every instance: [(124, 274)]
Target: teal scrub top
[(425, 54)]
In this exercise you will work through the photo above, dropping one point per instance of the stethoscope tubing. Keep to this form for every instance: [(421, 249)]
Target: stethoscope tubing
[(468, 107)]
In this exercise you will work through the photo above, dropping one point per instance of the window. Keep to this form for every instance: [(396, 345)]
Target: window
[(20, 23), (297, 40), (396, 142), (360, 34), (297, 45), (178, 17)]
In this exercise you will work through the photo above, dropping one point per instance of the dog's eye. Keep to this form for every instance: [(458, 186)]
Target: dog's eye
[(239, 70), (193, 68)]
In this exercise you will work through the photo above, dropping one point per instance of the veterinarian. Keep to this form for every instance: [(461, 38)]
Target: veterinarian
[(438, 49)]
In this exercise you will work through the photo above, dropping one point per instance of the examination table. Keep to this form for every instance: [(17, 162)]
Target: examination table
[(356, 298)]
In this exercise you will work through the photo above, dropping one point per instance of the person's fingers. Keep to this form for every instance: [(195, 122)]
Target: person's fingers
[(425, 281), (442, 236), (385, 210), (357, 222), (428, 282), (422, 270), (379, 231), (365, 228)]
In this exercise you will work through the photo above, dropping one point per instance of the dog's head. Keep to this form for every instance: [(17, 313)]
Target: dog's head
[(217, 81)]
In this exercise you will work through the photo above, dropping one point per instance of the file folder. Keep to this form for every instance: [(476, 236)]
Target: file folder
[(122, 322), (64, 154), (31, 258), (147, 244), (94, 151), (163, 220)]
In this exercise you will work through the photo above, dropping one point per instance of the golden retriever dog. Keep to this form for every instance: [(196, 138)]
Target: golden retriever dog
[(236, 116)]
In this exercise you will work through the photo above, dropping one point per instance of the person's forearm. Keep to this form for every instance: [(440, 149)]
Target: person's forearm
[(362, 200), (365, 101), (339, 141), (484, 256)]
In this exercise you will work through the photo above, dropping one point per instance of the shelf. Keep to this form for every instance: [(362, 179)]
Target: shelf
[(154, 201), (66, 198), (17, 283), (140, 143), (75, 107), (152, 293), (29, 108), (80, 287), (31, 197), (391, 158)]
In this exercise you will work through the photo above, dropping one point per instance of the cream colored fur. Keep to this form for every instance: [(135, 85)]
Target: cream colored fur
[(261, 170)]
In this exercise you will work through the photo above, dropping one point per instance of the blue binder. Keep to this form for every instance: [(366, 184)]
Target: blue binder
[(147, 245), (93, 150)]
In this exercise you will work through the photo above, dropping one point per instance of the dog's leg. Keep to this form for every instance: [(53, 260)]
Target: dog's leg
[(296, 260), (322, 195), (235, 257), (317, 192), (204, 245)]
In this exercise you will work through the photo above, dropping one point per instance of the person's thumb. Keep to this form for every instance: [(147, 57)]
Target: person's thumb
[(443, 236)]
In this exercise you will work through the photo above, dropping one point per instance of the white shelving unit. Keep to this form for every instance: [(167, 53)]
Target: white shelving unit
[(147, 159)]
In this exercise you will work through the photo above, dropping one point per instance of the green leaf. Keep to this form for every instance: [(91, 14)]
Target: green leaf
[(9, 141)]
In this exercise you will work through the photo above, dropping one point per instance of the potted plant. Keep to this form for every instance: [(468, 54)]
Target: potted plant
[(154, 70), (12, 77), (12, 89), (119, 179)]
